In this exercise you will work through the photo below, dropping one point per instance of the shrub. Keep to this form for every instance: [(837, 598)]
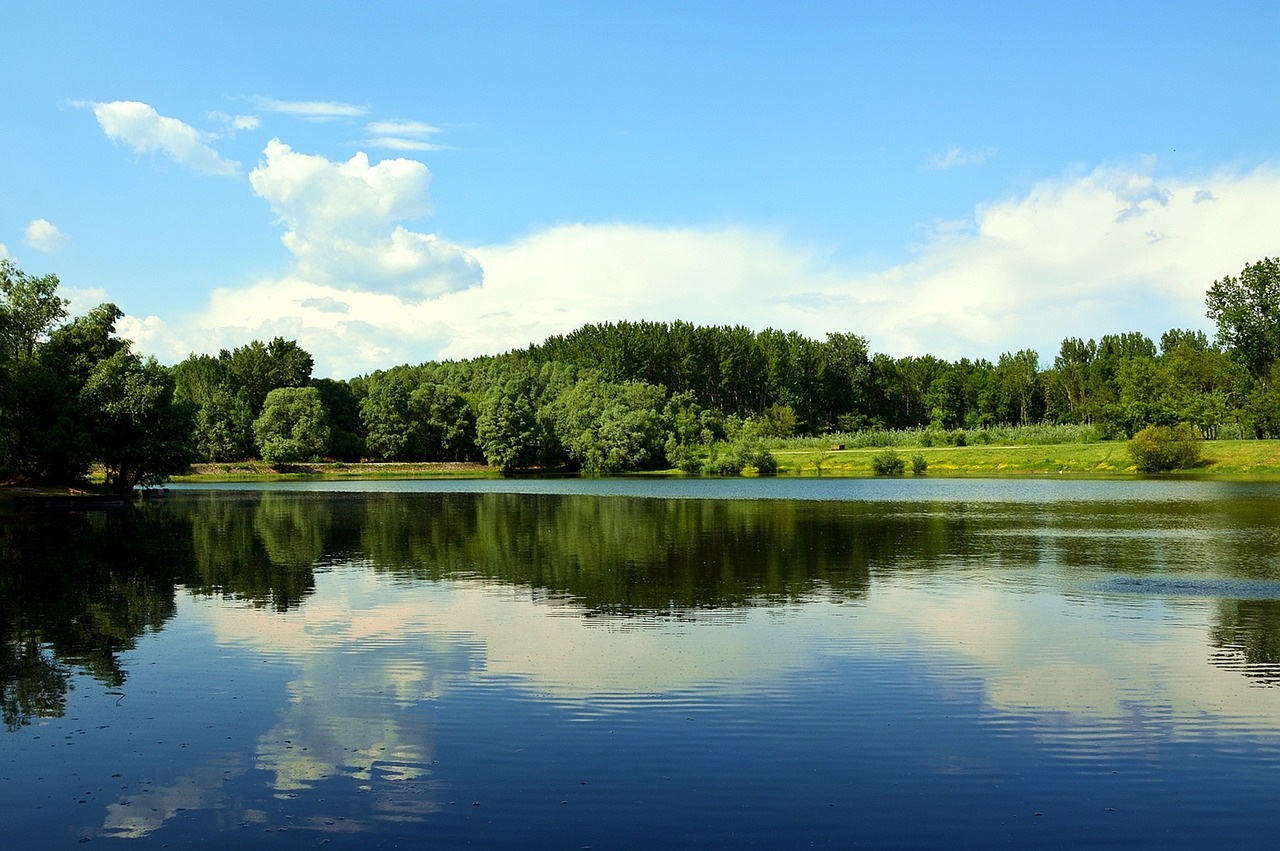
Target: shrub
[(765, 463), (888, 463), (918, 465), (727, 464), (1156, 449), (684, 458)]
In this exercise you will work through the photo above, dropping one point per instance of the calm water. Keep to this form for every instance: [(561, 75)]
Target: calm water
[(639, 663)]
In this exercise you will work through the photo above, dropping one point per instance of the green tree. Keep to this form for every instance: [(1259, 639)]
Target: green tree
[(293, 426), (388, 423), (1017, 375), (29, 309), (140, 435), (339, 399), (230, 390), (607, 427), (1247, 312), (508, 432), (446, 424), (779, 421)]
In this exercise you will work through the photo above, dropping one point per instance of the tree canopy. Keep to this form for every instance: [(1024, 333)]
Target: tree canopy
[(603, 399)]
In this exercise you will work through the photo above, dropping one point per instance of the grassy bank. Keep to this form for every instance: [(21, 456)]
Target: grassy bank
[(1110, 458), (1252, 459), (259, 471)]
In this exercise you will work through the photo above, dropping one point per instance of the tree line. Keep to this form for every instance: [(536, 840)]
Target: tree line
[(605, 398)]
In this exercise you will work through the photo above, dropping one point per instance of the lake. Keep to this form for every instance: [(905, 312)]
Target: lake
[(646, 663)]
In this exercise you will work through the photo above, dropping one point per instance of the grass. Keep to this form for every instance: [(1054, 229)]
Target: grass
[(260, 471), (1109, 458), (1252, 459)]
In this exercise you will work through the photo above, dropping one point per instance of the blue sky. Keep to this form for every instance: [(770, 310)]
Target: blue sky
[(393, 183)]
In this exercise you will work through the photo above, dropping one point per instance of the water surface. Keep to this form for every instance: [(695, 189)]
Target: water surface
[(638, 663)]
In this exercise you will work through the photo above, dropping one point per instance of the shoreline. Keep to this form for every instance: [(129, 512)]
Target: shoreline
[(1251, 460)]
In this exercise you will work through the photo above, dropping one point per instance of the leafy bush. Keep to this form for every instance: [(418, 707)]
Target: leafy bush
[(1159, 448), (888, 463), (683, 457), (918, 465), (765, 463), (724, 463)]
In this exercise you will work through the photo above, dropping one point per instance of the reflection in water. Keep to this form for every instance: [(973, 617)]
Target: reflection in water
[(1246, 638), (357, 644), (76, 590)]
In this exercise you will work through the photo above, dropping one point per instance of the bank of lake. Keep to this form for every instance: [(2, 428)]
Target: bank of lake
[(1249, 458)]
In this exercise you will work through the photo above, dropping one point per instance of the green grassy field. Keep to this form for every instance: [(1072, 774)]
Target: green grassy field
[(1221, 457), (1245, 459), (260, 471)]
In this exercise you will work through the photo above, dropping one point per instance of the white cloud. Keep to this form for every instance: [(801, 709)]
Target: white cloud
[(955, 157), (43, 236), (1136, 189), (1026, 272), (403, 135), (4, 251), (81, 300), (402, 128), (313, 109), (396, 143), (342, 222), (236, 122), (146, 131)]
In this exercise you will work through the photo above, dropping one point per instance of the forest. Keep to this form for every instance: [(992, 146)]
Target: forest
[(76, 399)]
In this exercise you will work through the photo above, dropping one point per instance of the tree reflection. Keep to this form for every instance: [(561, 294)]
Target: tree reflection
[(624, 555), (1246, 638), (77, 590), (259, 548)]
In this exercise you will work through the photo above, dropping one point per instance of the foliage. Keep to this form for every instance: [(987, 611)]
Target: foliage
[(293, 426), (507, 429), (640, 395), (343, 408), (607, 428), (918, 465), (140, 435), (765, 463), (228, 393), (1160, 448), (29, 309), (683, 457), (778, 421), (888, 463), (1262, 410), (1247, 312)]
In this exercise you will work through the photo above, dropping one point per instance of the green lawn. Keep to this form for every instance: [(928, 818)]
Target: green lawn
[(1221, 457)]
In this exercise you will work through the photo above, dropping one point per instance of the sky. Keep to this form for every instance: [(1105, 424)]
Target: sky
[(395, 183)]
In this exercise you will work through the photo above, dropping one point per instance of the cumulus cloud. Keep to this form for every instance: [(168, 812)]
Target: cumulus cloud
[(146, 131), (1024, 272), (316, 110), (43, 236), (342, 222), (1137, 190), (956, 157)]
